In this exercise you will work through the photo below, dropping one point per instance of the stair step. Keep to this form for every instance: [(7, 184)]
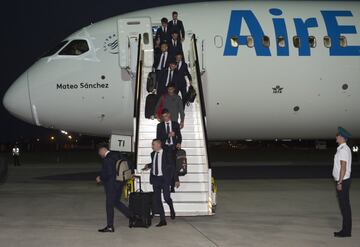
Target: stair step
[(192, 168), (189, 151), (185, 143), (191, 177), (199, 159), (199, 186), (185, 136)]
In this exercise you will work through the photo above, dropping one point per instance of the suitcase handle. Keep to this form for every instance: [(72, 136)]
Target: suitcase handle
[(139, 178)]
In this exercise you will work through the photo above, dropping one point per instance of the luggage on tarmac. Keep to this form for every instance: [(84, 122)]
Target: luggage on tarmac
[(181, 162), (151, 83), (140, 206), (150, 104), (123, 171)]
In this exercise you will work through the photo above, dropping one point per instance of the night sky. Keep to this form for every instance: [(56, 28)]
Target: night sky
[(30, 28)]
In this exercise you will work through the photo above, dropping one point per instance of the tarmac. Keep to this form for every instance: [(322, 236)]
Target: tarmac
[(38, 210)]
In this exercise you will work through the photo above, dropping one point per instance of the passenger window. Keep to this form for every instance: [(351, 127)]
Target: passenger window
[(234, 42), (250, 41), (343, 41), (146, 38), (266, 41), (296, 41), (281, 41), (312, 41), (55, 49), (75, 48), (327, 41)]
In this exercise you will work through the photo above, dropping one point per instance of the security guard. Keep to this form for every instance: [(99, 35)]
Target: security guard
[(341, 174), (16, 155)]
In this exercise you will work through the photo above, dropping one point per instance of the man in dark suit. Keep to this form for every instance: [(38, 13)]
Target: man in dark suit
[(182, 71), (177, 25), (163, 32), (161, 60), (166, 77), (169, 132), (170, 135), (162, 170), (174, 44), (113, 188)]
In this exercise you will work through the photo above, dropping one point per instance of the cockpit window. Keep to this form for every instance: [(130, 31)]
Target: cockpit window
[(55, 49), (75, 48)]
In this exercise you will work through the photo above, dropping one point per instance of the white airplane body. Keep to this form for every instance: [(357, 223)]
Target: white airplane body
[(255, 92)]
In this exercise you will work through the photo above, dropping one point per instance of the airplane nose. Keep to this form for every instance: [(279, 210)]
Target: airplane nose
[(17, 99)]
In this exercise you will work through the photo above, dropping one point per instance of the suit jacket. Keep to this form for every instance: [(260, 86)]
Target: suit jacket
[(182, 72), (168, 168), (161, 133), (163, 79), (157, 59), (178, 27), (163, 36), (174, 49)]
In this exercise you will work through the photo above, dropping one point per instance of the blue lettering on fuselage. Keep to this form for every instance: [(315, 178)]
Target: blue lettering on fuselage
[(239, 18)]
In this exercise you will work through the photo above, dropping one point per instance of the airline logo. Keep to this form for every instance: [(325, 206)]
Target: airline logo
[(239, 18)]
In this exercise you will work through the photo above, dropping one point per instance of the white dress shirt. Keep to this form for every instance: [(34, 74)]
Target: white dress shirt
[(343, 153), (162, 60), (170, 127), (160, 153)]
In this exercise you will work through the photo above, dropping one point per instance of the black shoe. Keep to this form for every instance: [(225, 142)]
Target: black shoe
[(341, 234), (107, 229), (161, 223), (172, 190), (172, 215)]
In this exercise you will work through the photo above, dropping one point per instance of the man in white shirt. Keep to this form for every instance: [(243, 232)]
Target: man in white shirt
[(162, 170), (342, 177)]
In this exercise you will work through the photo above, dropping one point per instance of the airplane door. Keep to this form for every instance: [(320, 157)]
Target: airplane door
[(128, 33)]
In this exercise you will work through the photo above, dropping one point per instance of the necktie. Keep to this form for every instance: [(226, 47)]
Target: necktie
[(163, 61), (171, 75), (175, 43), (156, 163), (167, 132), (175, 22)]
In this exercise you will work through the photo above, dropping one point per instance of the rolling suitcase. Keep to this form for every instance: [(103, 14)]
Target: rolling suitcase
[(151, 83), (150, 104), (181, 162), (140, 204)]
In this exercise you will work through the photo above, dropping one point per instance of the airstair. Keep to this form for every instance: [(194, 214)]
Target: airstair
[(194, 196)]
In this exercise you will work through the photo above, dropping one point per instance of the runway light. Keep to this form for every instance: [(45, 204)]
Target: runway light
[(70, 137), (38, 140), (355, 149), (52, 138), (64, 132)]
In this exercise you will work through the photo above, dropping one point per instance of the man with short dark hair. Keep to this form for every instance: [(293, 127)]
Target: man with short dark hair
[(177, 25), (162, 171), (342, 177), (166, 77), (161, 60), (163, 32), (113, 188), (173, 103), (182, 72), (174, 44)]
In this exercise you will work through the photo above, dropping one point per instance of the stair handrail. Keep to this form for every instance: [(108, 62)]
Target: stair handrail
[(137, 101), (201, 96)]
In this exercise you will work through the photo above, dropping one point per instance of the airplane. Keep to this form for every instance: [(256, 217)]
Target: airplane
[(270, 70), (261, 70)]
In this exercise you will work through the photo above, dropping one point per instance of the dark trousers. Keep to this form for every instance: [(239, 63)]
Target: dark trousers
[(113, 191), (16, 160), (344, 204), (171, 149), (158, 187), (183, 91)]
